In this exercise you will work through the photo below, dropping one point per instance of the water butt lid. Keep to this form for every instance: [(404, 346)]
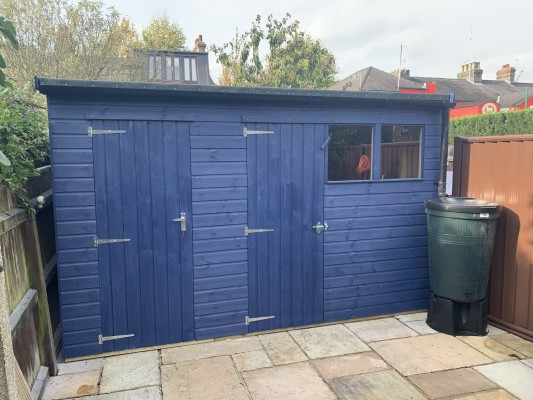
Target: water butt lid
[(463, 205)]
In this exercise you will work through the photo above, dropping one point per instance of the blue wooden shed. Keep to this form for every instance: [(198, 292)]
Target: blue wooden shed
[(193, 212)]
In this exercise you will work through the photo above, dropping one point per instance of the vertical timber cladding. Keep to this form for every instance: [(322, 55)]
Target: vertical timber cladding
[(183, 151)]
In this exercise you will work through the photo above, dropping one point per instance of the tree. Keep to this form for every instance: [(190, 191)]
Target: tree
[(61, 39), (7, 31), (294, 59), (162, 34)]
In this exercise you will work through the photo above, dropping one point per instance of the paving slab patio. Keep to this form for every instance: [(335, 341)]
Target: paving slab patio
[(289, 382), (150, 393), (490, 347), (420, 327), (455, 382), (514, 342), (380, 329), (251, 360), (383, 385), (216, 348), (352, 364), (130, 371), (429, 353), (328, 341), (491, 395), (213, 378), (282, 348), (514, 376), (388, 358), (79, 366), (71, 385)]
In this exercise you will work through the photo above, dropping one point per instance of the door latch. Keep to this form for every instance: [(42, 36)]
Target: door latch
[(319, 227), (183, 220)]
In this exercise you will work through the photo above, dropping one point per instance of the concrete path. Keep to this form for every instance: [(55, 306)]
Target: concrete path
[(390, 358)]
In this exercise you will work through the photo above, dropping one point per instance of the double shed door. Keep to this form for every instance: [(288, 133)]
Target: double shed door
[(143, 183)]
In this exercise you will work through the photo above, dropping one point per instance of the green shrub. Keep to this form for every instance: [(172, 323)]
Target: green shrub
[(497, 124), (23, 139)]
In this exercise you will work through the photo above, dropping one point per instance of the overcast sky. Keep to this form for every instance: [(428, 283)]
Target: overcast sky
[(438, 36)]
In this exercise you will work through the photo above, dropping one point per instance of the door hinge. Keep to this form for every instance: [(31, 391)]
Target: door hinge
[(247, 132), (102, 339), (97, 242), (247, 231), (92, 131), (248, 319)]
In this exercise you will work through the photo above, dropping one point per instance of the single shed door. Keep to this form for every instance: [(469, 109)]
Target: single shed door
[(142, 185), (285, 204)]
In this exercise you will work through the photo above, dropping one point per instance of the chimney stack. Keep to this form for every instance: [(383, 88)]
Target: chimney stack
[(471, 71), (507, 73), (199, 45)]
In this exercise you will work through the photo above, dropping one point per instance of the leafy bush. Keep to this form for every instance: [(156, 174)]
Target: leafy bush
[(23, 139), (497, 124)]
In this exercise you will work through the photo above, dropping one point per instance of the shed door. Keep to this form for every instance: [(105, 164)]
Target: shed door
[(142, 183), (286, 194)]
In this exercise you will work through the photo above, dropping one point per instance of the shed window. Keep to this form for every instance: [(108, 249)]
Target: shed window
[(400, 151), (350, 153)]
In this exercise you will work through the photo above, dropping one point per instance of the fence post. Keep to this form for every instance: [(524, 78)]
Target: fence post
[(8, 376), (36, 277)]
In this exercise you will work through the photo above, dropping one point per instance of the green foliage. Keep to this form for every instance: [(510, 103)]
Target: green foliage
[(163, 34), (496, 124), (23, 139), (7, 30), (293, 60), (69, 39)]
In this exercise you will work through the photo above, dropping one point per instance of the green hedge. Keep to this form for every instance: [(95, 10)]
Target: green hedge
[(503, 123)]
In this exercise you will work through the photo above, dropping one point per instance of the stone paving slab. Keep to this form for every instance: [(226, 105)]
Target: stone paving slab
[(79, 366), (282, 349), (328, 341), (452, 383), (288, 382), (490, 347), (214, 379), (528, 362), (514, 342), (251, 360), (514, 376), (420, 316), (380, 329), (428, 353), (420, 327), (150, 393), (491, 395), (352, 364), (71, 385), (130, 371), (212, 349), (495, 331), (383, 385)]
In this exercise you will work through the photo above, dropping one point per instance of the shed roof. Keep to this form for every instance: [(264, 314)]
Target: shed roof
[(52, 86)]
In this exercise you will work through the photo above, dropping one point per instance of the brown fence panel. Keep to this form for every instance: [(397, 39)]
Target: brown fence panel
[(500, 169)]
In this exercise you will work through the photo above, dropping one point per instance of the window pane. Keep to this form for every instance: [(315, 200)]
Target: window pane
[(168, 76), (157, 68), (151, 67), (350, 153), (186, 69), (177, 69), (193, 69), (400, 151)]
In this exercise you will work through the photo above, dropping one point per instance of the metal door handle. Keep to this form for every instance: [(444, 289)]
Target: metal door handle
[(183, 220), (319, 227)]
